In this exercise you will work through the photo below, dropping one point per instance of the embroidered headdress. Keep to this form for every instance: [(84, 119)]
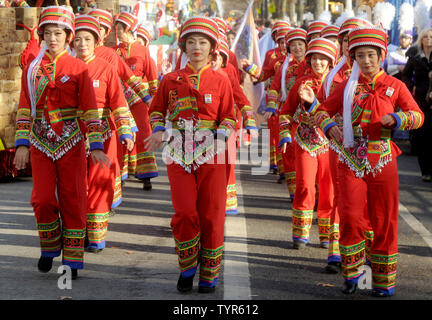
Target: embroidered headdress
[(143, 33), (129, 20), (104, 17), (203, 25), (88, 23), (276, 26), (61, 16), (315, 27), (322, 46), (330, 31)]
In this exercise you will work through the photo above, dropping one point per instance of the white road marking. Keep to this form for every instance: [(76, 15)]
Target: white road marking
[(236, 272), (415, 225)]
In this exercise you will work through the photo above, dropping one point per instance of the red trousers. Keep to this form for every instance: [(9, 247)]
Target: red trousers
[(199, 200), (380, 194), (145, 161), (61, 219), (231, 156), (288, 159), (272, 122), (311, 171), (334, 252), (101, 186)]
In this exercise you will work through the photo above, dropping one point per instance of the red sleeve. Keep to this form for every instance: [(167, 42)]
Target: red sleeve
[(159, 104), (334, 102), (292, 101), (226, 116)]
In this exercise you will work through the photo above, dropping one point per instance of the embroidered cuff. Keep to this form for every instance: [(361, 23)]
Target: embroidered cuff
[(314, 106), (159, 128), (284, 140), (408, 120), (328, 126), (96, 146), (22, 142), (125, 136), (253, 70)]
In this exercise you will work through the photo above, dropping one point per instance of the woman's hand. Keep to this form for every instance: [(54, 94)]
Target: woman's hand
[(306, 94), (128, 143), (154, 141), (284, 147), (166, 66), (245, 63), (99, 157), (388, 121), (335, 133), (268, 115), (22, 155)]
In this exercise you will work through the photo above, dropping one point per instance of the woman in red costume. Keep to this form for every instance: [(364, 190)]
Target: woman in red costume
[(273, 60), (311, 148), (293, 67), (134, 90), (55, 86), (242, 110), (199, 103), (367, 168), (340, 72), (113, 109), (138, 59)]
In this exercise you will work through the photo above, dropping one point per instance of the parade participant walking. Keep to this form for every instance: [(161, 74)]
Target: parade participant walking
[(311, 148), (112, 107), (416, 76), (243, 111), (293, 67), (272, 62), (367, 168), (134, 91), (55, 86), (340, 72), (199, 103), (138, 59)]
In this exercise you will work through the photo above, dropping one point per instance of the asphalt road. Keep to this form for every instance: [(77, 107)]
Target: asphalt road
[(140, 263)]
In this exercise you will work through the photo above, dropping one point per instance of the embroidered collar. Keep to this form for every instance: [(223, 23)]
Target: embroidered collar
[(57, 57), (191, 69), (370, 81), (90, 59)]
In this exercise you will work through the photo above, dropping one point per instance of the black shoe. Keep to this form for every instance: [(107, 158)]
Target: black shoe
[(45, 264), (185, 284), (74, 274), (333, 267), (206, 289), (93, 250), (324, 245), (112, 212), (380, 294), (349, 288), (147, 185), (299, 245)]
